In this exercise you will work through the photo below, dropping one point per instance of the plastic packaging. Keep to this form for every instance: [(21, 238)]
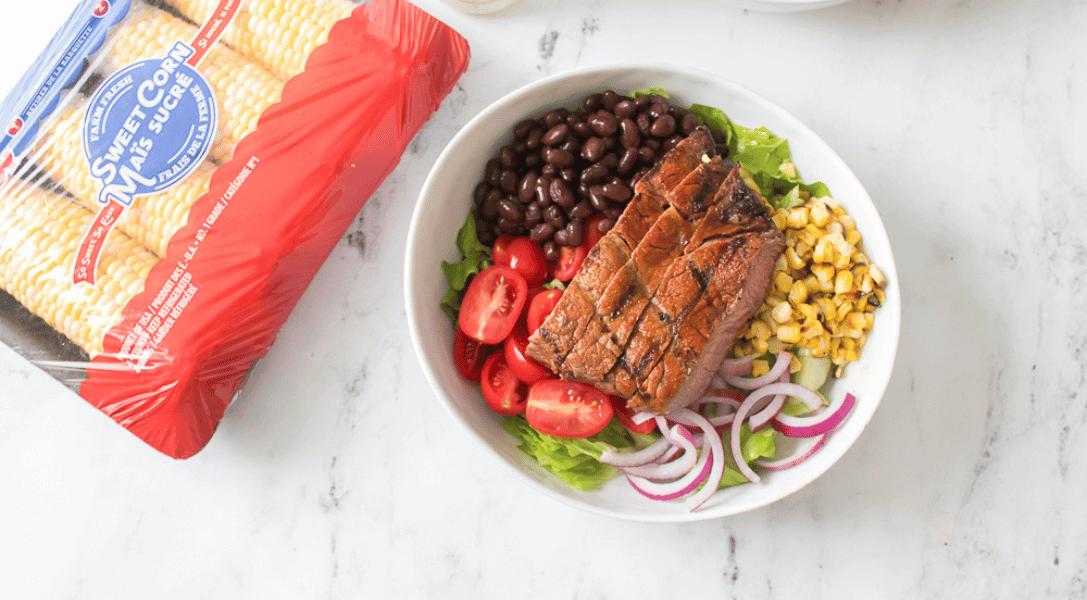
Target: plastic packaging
[(175, 172)]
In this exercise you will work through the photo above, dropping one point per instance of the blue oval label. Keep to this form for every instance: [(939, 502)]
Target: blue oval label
[(148, 126)]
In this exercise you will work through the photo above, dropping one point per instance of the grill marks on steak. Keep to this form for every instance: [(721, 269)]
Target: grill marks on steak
[(552, 342), (620, 309)]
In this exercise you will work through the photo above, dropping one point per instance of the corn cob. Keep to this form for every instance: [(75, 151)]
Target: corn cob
[(243, 88), (279, 34), (40, 233), (151, 220)]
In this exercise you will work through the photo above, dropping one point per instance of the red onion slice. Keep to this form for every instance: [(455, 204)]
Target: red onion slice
[(638, 458), (675, 468), (804, 449), (680, 487), (781, 365), (820, 423), (717, 448), (734, 367)]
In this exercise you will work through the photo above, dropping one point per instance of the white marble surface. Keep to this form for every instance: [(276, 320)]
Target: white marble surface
[(338, 475)]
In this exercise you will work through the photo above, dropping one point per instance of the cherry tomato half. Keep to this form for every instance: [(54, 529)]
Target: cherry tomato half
[(492, 304), (540, 308), (626, 416), (469, 355), (504, 393), (523, 366), (524, 256), (567, 409)]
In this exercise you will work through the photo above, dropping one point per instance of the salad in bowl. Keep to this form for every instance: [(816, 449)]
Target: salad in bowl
[(638, 302)]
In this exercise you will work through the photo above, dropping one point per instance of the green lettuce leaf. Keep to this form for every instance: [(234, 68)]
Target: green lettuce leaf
[(765, 155), (752, 445), (575, 461), (476, 257)]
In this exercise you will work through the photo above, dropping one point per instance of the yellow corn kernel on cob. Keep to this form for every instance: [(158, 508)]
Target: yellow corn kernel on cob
[(243, 89), (279, 34), (151, 220), (40, 233)]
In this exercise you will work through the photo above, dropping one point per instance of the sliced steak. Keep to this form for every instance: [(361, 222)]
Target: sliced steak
[(629, 292), (739, 284), (551, 343)]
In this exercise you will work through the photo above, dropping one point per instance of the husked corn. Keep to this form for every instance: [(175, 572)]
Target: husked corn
[(825, 290), (280, 34), (151, 220), (40, 234), (243, 88)]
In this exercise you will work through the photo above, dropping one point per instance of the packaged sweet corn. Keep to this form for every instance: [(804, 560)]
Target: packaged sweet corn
[(173, 173)]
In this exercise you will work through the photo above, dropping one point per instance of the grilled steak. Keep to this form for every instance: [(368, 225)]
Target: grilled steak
[(550, 345), (631, 288), (667, 317)]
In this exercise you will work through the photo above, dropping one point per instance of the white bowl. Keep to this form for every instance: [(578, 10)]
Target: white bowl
[(783, 5), (447, 196)]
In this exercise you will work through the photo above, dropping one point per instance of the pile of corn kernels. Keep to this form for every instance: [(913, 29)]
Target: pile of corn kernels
[(824, 292)]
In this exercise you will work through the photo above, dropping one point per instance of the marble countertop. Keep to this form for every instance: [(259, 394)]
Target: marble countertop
[(337, 474)]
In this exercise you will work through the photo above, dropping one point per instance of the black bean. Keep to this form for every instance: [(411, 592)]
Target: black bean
[(594, 173), (593, 149), (574, 118), (583, 190), (582, 129), (627, 160), (614, 212), (610, 161), (554, 216), (628, 133), (643, 121), (490, 204), (561, 194), (604, 225), (509, 227), (663, 126), (571, 145), (510, 210), (552, 118), (549, 171), (485, 235), (492, 171), (688, 123), (531, 160), (617, 192), (533, 215), (558, 157), (541, 233), (593, 102), (521, 131), (534, 139), (543, 191), (561, 237), (569, 176), (526, 190), (641, 102), (556, 135), (658, 109), (670, 143), (609, 99), (480, 193), (575, 232), (551, 251), (625, 109), (596, 196), (604, 122), (508, 181), (582, 210), (647, 155), (508, 157)]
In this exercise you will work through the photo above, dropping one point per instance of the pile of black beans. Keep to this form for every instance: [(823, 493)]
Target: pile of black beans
[(564, 168)]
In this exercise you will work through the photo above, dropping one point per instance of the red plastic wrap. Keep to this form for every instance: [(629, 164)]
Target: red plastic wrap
[(231, 275)]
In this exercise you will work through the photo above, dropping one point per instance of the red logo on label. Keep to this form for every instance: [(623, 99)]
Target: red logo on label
[(101, 8), (16, 125)]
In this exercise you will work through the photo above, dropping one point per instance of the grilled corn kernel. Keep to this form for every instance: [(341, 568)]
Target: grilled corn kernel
[(843, 282), (782, 312), (789, 332)]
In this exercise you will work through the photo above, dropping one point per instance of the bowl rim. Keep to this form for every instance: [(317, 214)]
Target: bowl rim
[(889, 321)]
